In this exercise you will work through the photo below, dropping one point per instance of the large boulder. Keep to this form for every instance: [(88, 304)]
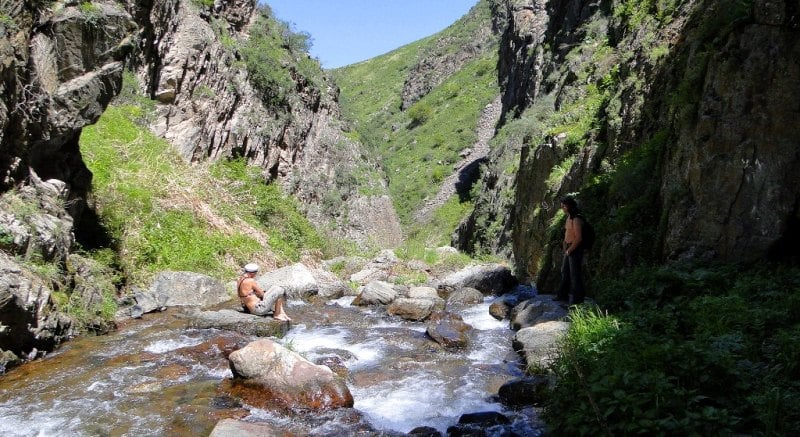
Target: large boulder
[(238, 321), (267, 375), (525, 391), (448, 329), (465, 296), (538, 344), (171, 289), (486, 278), (415, 309), (533, 311), (376, 293), (298, 280)]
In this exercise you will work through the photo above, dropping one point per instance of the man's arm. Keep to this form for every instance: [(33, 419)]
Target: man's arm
[(577, 226), (257, 290)]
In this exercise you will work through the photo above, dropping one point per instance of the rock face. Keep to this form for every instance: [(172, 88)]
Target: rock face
[(209, 109), (30, 323), (696, 135), (60, 65)]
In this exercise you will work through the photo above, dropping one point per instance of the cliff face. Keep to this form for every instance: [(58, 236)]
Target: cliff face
[(678, 129), (61, 65), (209, 109)]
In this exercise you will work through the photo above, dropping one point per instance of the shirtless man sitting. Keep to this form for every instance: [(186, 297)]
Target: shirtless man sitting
[(256, 301)]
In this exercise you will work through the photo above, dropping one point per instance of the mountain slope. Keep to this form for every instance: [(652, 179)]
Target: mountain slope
[(419, 106)]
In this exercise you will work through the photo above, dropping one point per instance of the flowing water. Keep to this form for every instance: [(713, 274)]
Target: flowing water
[(154, 376)]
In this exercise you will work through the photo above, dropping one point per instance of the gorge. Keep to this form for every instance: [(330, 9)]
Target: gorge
[(674, 123)]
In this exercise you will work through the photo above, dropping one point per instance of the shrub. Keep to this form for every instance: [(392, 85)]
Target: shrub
[(712, 354)]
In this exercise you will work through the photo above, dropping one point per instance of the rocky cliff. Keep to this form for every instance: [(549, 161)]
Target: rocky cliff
[(676, 124), (62, 63), (190, 60)]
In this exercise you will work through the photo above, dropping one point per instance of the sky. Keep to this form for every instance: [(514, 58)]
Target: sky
[(344, 32)]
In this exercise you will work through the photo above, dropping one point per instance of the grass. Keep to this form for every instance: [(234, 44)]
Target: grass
[(714, 354), (419, 146), (165, 214)]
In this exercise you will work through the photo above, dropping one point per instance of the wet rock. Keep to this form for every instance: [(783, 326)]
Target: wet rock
[(525, 391), (465, 296), (538, 344), (334, 363), (334, 291), (232, 427), (448, 329), (425, 431), (238, 321), (501, 307), (267, 375), (376, 293), (478, 424), (411, 309), (531, 312), (486, 278)]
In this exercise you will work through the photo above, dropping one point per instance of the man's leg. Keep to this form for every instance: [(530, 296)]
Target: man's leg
[(275, 297), (563, 290), (576, 276)]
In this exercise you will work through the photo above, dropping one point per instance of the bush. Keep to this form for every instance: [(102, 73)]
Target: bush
[(690, 350)]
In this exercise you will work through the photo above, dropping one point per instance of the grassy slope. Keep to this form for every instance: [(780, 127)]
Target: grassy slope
[(164, 214), (419, 146)]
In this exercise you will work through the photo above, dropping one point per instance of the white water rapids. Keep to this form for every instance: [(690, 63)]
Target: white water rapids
[(157, 377)]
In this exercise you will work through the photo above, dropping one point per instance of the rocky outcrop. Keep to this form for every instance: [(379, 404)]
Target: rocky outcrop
[(439, 61), (191, 63), (61, 64), (691, 152)]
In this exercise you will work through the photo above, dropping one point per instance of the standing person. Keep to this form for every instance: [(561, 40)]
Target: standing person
[(571, 274), (256, 301)]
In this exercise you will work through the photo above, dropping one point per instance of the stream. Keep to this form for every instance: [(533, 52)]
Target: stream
[(155, 376)]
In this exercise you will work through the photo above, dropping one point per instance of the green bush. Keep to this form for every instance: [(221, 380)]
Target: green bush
[(690, 350)]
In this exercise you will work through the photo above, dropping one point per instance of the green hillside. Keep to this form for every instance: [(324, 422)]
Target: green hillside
[(419, 145)]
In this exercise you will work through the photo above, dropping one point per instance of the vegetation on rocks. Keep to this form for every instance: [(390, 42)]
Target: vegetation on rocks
[(164, 214), (420, 144)]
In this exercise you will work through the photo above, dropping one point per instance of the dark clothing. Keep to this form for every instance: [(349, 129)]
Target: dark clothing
[(572, 277)]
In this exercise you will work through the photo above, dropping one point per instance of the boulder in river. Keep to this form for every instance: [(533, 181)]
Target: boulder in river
[(171, 289), (538, 343), (486, 278), (269, 376), (448, 329), (238, 321), (534, 311), (376, 293)]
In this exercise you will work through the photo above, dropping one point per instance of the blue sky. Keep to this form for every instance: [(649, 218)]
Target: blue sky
[(344, 32)]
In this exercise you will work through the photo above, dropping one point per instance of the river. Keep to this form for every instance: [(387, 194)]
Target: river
[(155, 376)]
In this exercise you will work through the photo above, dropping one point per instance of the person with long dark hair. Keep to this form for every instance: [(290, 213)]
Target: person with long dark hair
[(571, 274)]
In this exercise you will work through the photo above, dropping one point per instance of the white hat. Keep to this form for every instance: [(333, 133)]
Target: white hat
[(251, 268)]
